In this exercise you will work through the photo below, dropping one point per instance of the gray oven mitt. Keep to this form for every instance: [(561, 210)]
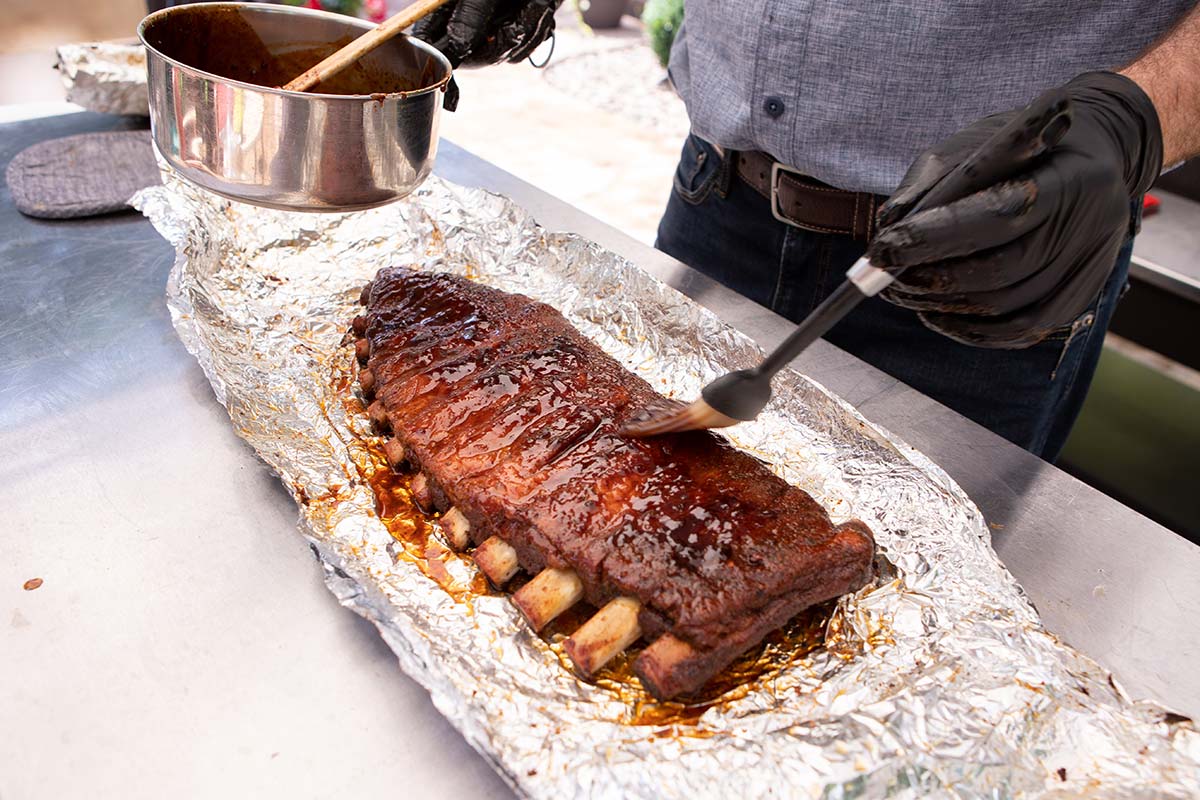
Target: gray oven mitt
[(81, 176)]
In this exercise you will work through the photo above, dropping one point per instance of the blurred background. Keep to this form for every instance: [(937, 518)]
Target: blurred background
[(35, 27), (602, 104), (601, 128)]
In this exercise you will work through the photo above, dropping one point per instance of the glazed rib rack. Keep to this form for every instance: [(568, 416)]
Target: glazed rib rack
[(511, 420)]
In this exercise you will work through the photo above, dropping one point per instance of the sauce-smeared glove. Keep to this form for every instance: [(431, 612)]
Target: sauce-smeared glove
[(1007, 265), (476, 33)]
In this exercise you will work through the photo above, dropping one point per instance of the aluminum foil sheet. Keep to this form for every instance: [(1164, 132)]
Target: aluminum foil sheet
[(936, 680), (108, 77)]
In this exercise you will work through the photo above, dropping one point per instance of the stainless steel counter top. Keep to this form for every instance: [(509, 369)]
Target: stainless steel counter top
[(1167, 251), (150, 663)]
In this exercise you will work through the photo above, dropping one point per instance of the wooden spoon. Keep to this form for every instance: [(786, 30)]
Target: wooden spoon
[(362, 45)]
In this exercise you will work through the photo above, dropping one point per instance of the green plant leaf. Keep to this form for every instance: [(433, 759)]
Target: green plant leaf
[(662, 19)]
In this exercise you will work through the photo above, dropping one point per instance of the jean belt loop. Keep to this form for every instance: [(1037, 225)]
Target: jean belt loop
[(724, 170)]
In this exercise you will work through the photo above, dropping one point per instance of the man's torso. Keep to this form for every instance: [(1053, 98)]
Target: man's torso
[(851, 92)]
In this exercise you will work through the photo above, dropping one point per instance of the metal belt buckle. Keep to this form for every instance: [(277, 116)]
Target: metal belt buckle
[(776, 168)]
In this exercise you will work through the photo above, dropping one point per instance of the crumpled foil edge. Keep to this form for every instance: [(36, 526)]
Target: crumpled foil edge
[(942, 683), (107, 77)]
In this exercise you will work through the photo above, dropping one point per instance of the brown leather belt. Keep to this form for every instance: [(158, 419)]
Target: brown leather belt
[(807, 203)]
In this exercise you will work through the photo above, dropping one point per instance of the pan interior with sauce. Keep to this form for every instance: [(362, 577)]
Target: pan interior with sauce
[(266, 49)]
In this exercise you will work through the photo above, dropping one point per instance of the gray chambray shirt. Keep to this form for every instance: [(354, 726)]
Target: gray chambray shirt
[(851, 91)]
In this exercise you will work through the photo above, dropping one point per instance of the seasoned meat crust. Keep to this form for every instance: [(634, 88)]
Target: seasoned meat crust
[(513, 416)]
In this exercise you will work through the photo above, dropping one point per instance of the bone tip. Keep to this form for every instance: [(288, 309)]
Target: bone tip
[(602, 638), (421, 493), (669, 667), (548, 595), (378, 416), (457, 528), (364, 297), (497, 559), (530, 610), (395, 454), (366, 379), (586, 658), (362, 350), (359, 324), (581, 656)]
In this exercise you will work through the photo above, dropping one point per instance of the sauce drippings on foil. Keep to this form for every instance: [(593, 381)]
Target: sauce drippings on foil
[(414, 531)]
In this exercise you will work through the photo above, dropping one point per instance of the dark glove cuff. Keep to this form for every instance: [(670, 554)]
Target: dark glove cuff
[(1135, 123)]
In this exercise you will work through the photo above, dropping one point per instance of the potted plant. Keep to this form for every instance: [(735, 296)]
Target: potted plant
[(662, 19), (602, 13)]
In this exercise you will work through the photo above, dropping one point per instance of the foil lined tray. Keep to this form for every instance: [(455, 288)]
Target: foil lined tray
[(936, 680), (108, 77)]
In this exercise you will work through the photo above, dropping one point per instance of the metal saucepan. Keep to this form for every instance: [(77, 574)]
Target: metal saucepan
[(363, 138)]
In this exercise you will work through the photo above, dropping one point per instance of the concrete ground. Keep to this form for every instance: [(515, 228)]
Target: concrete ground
[(597, 127)]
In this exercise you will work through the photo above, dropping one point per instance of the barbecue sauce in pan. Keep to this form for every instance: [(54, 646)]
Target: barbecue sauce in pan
[(221, 42)]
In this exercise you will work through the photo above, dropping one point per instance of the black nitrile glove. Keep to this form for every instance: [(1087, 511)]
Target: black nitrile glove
[(481, 32), (477, 33), (1007, 265)]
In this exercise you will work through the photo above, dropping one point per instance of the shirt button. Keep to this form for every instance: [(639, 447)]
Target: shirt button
[(773, 106)]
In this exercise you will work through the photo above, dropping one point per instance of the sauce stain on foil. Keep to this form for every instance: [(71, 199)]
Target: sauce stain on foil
[(412, 528), (414, 531)]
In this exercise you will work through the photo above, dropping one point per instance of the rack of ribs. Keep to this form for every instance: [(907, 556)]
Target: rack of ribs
[(511, 420)]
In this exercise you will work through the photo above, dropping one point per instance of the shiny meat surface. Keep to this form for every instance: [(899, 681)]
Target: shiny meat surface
[(514, 417)]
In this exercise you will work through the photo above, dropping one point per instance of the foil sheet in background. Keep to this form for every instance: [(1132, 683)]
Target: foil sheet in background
[(939, 680), (108, 77)]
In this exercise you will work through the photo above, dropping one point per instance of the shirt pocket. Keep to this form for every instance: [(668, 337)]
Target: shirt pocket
[(698, 171)]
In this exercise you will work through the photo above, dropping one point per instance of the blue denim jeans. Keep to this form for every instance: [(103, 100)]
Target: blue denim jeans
[(718, 225)]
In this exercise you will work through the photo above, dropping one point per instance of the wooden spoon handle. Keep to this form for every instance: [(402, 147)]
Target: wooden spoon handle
[(362, 45)]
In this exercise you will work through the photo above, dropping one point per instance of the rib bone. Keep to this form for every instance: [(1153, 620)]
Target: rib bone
[(457, 528), (359, 324), (497, 559), (366, 379), (670, 666), (364, 296), (607, 633), (395, 454), (549, 594), (421, 493), (362, 349), (379, 417)]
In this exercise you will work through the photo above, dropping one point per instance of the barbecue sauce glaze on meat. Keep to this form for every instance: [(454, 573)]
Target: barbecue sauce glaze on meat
[(513, 416)]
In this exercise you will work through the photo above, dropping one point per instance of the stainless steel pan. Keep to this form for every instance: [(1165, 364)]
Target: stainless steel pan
[(367, 137)]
